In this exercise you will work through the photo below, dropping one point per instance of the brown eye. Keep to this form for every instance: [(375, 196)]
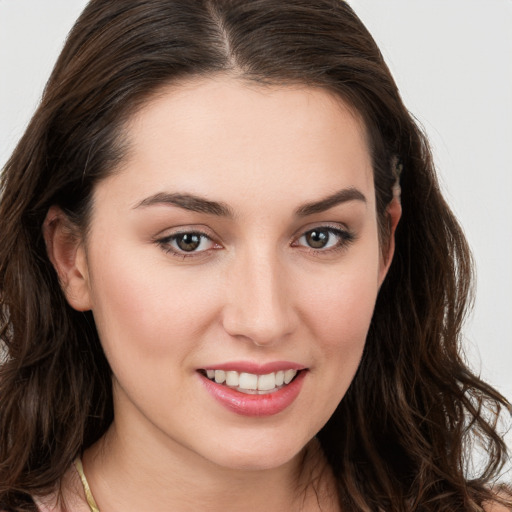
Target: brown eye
[(325, 238), (188, 242), (317, 238)]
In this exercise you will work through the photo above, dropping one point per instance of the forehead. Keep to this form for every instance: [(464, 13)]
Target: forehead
[(231, 140)]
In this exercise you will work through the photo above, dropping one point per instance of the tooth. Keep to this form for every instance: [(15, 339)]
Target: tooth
[(232, 379), (220, 376), (251, 382), (288, 375), (267, 382), (248, 381)]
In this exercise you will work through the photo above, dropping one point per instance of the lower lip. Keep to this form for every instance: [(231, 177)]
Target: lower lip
[(255, 405)]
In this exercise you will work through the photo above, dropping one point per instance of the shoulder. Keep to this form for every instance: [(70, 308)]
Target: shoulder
[(70, 495), (496, 507)]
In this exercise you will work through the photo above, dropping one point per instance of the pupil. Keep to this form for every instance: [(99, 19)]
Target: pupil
[(317, 238), (188, 242)]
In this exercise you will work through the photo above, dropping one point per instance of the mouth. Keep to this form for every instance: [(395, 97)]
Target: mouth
[(254, 390), (251, 383)]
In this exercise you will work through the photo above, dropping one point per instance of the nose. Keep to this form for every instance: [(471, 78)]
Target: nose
[(259, 305)]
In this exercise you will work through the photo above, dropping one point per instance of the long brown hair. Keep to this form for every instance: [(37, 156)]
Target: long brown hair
[(398, 440)]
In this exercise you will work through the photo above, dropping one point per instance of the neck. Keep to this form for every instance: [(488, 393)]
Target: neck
[(127, 472)]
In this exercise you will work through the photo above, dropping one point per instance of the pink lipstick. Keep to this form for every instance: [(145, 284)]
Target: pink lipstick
[(252, 389)]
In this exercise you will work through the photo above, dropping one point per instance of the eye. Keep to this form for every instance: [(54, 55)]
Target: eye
[(325, 238), (187, 243)]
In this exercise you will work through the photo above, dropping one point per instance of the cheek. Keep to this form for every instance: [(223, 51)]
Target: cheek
[(144, 311), (341, 307), (338, 314)]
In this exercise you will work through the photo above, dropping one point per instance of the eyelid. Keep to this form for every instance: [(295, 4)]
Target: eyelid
[(346, 235), (184, 229), (164, 241), (335, 226)]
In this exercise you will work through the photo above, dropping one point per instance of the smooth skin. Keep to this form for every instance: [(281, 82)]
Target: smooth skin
[(252, 265)]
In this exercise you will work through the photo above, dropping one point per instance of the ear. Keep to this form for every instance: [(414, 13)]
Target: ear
[(393, 212), (67, 254)]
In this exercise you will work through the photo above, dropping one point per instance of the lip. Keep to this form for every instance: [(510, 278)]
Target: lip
[(255, 405), (256, 368)]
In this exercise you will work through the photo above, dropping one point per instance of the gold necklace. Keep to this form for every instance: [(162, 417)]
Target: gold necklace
[(88, 494)]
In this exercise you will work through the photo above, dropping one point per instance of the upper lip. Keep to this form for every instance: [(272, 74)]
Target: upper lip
[(256, 368)]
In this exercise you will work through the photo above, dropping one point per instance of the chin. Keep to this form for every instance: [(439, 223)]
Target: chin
[(259, 456)]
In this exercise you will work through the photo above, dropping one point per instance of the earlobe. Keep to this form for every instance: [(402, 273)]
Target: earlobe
[(66, 252), (394, 212)]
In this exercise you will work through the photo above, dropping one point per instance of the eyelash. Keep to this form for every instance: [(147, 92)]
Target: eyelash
[(165, 244), (345, 238)]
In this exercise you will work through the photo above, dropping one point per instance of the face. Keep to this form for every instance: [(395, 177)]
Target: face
[(238, 241)]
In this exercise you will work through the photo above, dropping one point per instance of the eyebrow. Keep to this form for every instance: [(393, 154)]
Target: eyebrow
[(199, 204), (188, 202), (342, 196)]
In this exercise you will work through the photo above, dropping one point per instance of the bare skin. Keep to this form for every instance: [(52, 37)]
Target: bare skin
[(287, 267), (265, 153), (313, 490)]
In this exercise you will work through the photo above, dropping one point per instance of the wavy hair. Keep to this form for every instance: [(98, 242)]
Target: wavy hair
[(399, 439)]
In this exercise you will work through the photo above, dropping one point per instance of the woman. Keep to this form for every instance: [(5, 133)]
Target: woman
[(229, 279)]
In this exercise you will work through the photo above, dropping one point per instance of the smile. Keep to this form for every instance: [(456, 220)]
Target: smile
[(254, 390), (251, 383)]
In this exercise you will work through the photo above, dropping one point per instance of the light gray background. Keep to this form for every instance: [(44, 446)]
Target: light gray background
[(452, 60)]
